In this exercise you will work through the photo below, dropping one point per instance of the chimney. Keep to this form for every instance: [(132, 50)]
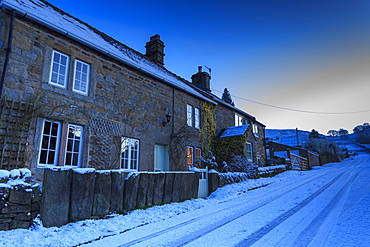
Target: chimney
[(155, 50), (202, 80)]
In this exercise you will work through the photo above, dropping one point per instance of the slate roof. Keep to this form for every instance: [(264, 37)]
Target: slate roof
[(235, 131), (50, 16)]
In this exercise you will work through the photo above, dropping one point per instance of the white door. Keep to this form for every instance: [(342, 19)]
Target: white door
[(203, 183), (161, 159)]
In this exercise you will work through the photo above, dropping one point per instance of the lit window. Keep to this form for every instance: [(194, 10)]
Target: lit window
[(130, 154), (249, 151), (189, 156), (198, 154), (81, 77), (59, 69)]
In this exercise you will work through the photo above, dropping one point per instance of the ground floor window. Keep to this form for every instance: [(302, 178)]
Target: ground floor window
[(249, 151), (193, 155), (60, 144), (130, 154)]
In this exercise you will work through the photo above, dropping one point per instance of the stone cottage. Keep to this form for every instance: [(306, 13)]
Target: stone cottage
[(73, 96)]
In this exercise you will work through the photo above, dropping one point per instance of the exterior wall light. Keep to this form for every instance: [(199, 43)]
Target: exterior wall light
[(168, 118)]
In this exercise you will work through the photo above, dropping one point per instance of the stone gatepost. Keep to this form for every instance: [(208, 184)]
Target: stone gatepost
[(102, 193), (56, 196), (82, 194), (118, 187)]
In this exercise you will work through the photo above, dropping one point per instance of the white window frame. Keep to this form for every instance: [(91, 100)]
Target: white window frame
[(255, 130), (81, 77), (45, 139), (55, 70), (196, 118), (72, 140), (189, 115), (238, 119), (249, 151), (130, 153)]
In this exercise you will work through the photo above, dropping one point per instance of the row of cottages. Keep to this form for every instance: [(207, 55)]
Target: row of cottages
[(73, 96)]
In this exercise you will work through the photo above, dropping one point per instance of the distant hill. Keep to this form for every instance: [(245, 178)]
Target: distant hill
[(287, 136)]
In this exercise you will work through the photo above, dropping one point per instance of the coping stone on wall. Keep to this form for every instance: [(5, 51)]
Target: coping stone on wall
[(56, 195), (118, 186), (82, 191), (102, 193)]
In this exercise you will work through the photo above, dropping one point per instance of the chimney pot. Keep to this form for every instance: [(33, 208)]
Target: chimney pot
[(199, 69)]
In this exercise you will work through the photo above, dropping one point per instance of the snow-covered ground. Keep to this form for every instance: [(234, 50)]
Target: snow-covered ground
[(327, 206)]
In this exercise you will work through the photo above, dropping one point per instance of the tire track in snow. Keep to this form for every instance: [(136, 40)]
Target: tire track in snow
[(257, 235), (201, 232)]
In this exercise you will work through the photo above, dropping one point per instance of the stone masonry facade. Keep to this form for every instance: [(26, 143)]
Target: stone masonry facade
[(121, 101)]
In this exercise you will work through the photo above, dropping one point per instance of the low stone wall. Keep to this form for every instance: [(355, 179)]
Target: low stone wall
[(70, 195), (19, 200), (270, 171)]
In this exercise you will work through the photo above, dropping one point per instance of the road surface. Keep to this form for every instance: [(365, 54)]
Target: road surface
[(330, 207)]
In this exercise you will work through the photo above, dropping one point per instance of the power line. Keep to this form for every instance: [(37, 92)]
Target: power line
[(296, 110)]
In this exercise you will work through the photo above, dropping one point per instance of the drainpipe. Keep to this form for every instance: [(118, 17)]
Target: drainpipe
[(8, 50)]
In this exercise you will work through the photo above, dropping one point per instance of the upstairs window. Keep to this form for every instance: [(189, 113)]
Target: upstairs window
[(81, 77), (130, 154), (193, 116), (249, 151), (238, 119), (189, 115), (59, 69), (255, 130), (197, 118)]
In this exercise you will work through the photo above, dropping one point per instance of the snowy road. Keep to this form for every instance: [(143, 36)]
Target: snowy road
[(331, 207), (326, 206)]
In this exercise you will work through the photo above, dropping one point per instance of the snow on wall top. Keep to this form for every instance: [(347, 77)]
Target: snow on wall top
[(235, 131), (46, 14)]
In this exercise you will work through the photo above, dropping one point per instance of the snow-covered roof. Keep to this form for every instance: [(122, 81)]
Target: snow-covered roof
[(235, 131), (48, 15)]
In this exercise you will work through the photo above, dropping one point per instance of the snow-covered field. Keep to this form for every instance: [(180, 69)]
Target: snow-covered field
[(327, 206)]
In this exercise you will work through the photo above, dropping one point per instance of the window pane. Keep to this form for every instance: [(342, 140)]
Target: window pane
[(76, 146), (51, 158), (68, 159), (53, 143), (55, 128), (43, 156)]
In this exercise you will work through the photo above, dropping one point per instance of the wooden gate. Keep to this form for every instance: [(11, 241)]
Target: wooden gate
[(298, 162), (203, 183)]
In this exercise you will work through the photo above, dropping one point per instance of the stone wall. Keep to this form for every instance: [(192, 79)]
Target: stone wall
[(19, 200), (70, 195)]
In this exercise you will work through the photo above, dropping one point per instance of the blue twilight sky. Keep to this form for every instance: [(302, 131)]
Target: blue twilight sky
[(307, 55)]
